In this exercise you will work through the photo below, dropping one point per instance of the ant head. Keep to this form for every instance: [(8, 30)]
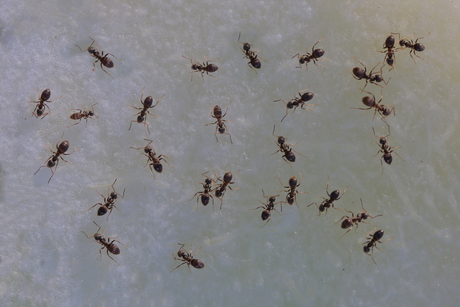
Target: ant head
[(272, 199), (289, 105), (301, 61), (39, 111), (91, 50), (307, 96), (366, 249), (228, 177), (321, 208), (102, 210), (195, 67), (148, 102), (291, 158), (293, 182), (265, 215), (90, 113), (378, 78), (140, 119), (218, 193), (181, 253), (383, 141), (148, 149), (208, 181), (98, 236), (419, 47), (317, 53), (368, 101), (113, 195), (402, 42), (335, 195), (221, 129), (386, 112), (281, 139), (364, 215), (246, 46), (158, 167), (51, 163)]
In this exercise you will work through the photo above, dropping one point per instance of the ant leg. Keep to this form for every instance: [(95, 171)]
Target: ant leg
[(179, 264), (93, 206), (346, 233)]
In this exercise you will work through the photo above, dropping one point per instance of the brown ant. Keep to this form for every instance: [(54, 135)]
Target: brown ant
[(222, 188), (372, 77), (147, 104), (83, 114), (220, 125), (382, 109), (372, 242), (298, 101), (187, 258), (150, 153), (284, 147), (41, 105), (53, 160), (109, 202), (328, 203), (103, 58), (292, 191), (313, 56), (268, 207), (204, 195), (413, 46), (251, 55), (349, 221), (385, 148), (389, 45), (203, 68), (109, 245)]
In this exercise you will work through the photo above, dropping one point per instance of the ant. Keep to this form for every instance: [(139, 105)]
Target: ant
[(203, 68), (109, 245), (147, 104), (389, 45), (349, 221), (187, 258), (385, 148), (53, 160), (220, 125), (41, 105), (101, 57), (413, 46), (288, 154), (298, 101), (372, 77), (83, 114), (109, 202), (327, 203), (268, 207), (222, 188), (251, 55), (150, 153), (382, 109), (313, 56), (292, 191), (207, 188), (372, 242)]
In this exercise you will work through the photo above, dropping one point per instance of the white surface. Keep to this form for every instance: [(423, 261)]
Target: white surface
[(297, 259)]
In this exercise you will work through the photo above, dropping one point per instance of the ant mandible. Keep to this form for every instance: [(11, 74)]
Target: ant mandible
[(385, 148), (147, 104), (83, 114), (314, 56), (101, 57), (298, 101), (327, 203), (187, 258), (292, 191), (204, 195), (285, 148), (383, 110), (269, 206), (109, 202), (368, 248), (349, 221), (53, 160), (203, 68), (150, 153), (372, 77), (41, 105), (251, 55), (220, 122)]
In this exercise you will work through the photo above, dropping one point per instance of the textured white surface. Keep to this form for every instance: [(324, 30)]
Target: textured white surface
[(297, 259)]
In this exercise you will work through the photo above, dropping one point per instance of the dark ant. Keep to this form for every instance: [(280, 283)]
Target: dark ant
[(147, 104), (372, 77), (109, 245), (203, 68), (372, 242), (292, 191), (389, 45), (187, 258), (313, 56), (284, 147), (382, 109), (151, 155), (109, 202), (53, 161), (328, 203), (268, 207), (103, 58), (83, 114), (41, 105), (349, 221), (298, 101), (413, 46), (220, 125), (222, 188), (251, 55), (385, 148), (204, 195)]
